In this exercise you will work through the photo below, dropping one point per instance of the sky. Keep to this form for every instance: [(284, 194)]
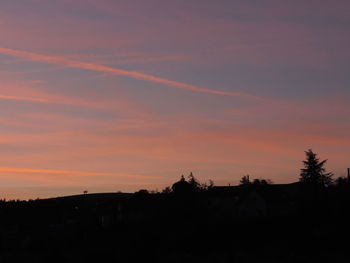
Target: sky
[(121, 95)]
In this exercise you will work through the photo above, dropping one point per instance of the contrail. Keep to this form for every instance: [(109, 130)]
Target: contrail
[(117, 71)]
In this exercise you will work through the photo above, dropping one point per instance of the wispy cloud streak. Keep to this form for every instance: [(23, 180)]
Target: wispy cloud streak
[(4, 169), (50, 98), (118, 71), (6, 97)]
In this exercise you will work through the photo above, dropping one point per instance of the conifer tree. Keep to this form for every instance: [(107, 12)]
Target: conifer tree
[(314, 171)]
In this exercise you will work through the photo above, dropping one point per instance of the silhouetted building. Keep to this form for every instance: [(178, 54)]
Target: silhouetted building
[(255, 200)]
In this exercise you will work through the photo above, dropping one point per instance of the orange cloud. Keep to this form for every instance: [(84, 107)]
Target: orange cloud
[(9, 97), (117, 71), (39, 96), (4, 169)]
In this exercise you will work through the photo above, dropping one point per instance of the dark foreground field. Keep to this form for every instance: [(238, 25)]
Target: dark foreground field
[(168, 228)]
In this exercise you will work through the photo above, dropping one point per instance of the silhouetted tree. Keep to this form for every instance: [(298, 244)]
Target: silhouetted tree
[(182, 187), (194, 182), (342, 181), (206, 186), (211, 184), (166, 190), (262, 181), (142, 192), (314, 171), (192, 185), (245, 180)]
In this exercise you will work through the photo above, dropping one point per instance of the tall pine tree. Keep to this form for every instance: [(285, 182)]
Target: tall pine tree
[(314, 171)]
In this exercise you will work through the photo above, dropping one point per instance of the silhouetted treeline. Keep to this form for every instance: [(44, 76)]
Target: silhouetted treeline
[(255, 221)]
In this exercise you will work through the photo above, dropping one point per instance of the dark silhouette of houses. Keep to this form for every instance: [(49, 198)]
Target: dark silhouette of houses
[(261, 221), (255, 200)]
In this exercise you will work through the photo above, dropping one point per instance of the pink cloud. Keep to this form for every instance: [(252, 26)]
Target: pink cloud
[(10, 92)]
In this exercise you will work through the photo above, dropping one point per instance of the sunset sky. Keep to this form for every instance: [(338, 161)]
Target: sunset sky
[(119, 95)]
